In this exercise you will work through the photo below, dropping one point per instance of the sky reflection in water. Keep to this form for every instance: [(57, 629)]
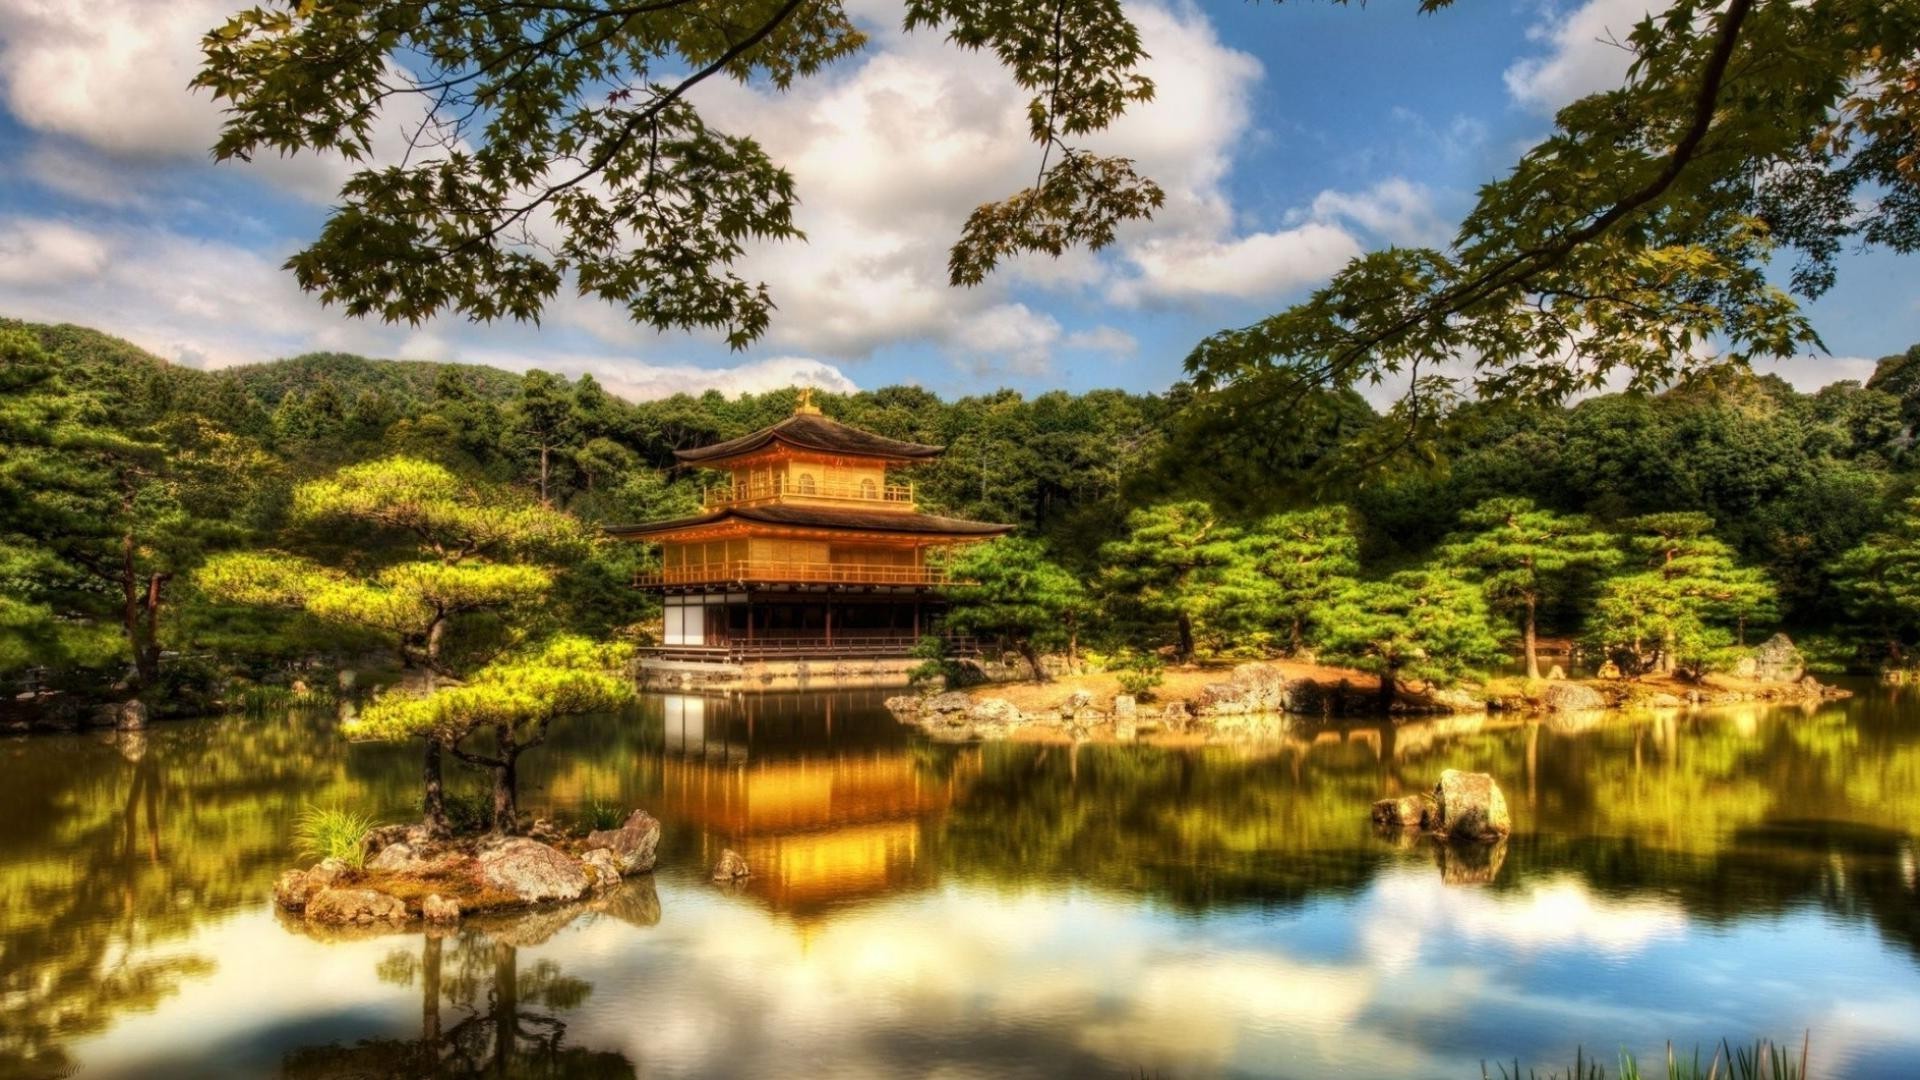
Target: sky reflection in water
[(1000, 910)]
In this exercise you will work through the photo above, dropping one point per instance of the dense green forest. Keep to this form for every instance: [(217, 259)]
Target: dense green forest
[(122, 475)]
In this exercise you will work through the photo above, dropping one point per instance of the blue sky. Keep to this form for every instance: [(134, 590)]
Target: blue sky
[(1289, 137)]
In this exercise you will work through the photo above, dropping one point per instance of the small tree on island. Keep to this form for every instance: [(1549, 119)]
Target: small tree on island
[(1520, 554), (1009, 589), (1171, 557), (513, 702), (1286, 568), (452, 544), (1680, 606), (1428, 623)]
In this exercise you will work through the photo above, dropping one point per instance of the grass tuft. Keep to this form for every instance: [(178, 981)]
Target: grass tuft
[(323, 833), (1763, 1060)]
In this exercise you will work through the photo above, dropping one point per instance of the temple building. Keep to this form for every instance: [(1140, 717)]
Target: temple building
[(809, 547)]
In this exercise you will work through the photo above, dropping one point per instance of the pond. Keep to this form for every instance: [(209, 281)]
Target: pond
[(991, 910)]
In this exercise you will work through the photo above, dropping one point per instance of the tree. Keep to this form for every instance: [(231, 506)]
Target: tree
[(1673, 613), (460, 552), (548, 139), (1881, 580), (515, 701), (543, 421), (1170, 556), (1009, 589), (1640, 229), (1519, 553), (1428, 623), (1289, 565)]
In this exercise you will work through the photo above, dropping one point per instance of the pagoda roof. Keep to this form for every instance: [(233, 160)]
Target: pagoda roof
[(820, 517), (809, 430)]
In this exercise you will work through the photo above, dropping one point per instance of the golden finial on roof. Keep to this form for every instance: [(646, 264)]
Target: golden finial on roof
[(805, 406)]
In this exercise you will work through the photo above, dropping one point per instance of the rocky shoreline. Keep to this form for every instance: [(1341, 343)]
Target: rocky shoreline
[(1256, 698), (407, 876)]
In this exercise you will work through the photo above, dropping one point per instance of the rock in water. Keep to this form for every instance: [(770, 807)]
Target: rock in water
[(1469, 806), (293, 889), (600, 863), (344, 907), (133, 716), (1572, 697), (632, 845), (731, 866), (532, 871), (1125, 705), (436, 909)]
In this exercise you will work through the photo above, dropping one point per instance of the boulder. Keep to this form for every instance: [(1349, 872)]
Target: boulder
[(293, 889), (950, 702), (1308, 698), (904, 706), (1407, 812), (632, 845), (532, 871), (1469, 806), (1125, 705), (1777, 660), (436, 909), (345, 907), (380, 838), (1175, 716), (1572, 697), (731, 866), (406, 857), (1664, 701), (1251, 688), (600, 863), (1556, 673), (995, 711), (1077, 701)]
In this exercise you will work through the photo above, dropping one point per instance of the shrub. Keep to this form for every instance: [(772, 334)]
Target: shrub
[(469, 813), (332, 834), (1140, 675), (597, 813)]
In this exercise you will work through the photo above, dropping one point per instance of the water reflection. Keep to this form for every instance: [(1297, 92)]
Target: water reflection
[(1008, 908)]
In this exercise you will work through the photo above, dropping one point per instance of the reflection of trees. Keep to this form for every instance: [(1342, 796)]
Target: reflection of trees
[(503, 1020), (1733, 812), (115, 846)]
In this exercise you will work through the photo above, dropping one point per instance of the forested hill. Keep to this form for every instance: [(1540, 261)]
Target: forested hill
[(1791, 480)]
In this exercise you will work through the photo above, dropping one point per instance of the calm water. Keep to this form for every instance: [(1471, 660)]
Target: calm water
[(995, 911)]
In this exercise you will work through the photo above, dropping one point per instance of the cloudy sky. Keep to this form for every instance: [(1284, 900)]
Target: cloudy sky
[(1288, 137)]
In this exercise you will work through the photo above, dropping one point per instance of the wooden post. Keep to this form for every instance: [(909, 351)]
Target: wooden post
[(829, 619)]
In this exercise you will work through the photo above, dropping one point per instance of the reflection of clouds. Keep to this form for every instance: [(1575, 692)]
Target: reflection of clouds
[(1555, 913)]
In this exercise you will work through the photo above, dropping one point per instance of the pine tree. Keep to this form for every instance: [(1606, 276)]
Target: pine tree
[(1009, 589), (1675, 613), (1429, 623), (1172, 555), (1521, 554)]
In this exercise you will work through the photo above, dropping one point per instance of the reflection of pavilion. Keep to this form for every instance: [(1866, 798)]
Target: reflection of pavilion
[(826, 803)]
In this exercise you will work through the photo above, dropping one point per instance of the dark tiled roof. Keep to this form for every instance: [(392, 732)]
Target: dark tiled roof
[(811, 431), (829, 517)]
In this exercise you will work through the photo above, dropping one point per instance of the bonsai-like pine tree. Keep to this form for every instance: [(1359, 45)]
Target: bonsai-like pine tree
[(456, 555), (1009, 589), (1681, 604), (511, 704), (1428, 623), (1520, 554), (1172, 555), (1287, 567)]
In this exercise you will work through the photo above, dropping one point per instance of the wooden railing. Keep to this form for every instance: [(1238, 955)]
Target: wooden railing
[(839, 646), (809, 572), (780, 487)]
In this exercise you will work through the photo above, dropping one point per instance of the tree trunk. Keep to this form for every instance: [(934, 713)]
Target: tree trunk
[(1186, 636), (543, 475), (433, 804), (1533, 648), (138, 614), (506, 794), (1033, 660), (1388, 677), (1295, 637)]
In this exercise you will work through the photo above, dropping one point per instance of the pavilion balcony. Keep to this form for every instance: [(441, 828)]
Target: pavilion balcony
[(852, 645), (780, 488), (807, 573)]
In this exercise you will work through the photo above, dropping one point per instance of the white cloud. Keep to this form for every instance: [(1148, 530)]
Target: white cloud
[(1396, 210), (1105, 339), (1585, 52), (210, 304), (1810, 373), (1261, 265)]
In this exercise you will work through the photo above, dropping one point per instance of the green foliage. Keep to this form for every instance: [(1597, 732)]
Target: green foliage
[(1283, 570), (1763, 1060), (1009, 590), (1640, 228), (936, 663), (1519, 554), (1141, 674), (1427, 623), (1164, 568), (332, 833), (1682, 609), (1881, 581)]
